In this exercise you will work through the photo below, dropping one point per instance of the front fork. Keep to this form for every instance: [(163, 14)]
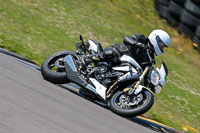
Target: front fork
[(137, 87)]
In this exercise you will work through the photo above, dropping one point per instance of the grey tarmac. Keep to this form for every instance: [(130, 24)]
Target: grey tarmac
[(29, 104)]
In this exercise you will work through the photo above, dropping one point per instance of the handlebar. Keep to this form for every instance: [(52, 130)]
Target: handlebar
[(150, 59)]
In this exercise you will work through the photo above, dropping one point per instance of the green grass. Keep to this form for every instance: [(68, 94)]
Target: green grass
[(39, 28)]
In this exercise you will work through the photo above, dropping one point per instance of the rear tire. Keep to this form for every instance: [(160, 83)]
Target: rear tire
[(52, 76)]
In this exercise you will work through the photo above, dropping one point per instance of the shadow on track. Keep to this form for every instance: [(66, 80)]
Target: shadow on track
[(140, 120)]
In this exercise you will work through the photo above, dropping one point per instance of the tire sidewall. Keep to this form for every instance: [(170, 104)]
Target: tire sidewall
[(54, 77), (133, 112)]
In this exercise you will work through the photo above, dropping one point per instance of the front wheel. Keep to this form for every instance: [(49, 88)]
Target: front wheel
[(53, 68), (129, 106)]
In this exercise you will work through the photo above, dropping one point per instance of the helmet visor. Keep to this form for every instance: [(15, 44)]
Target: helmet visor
[(160, 43)]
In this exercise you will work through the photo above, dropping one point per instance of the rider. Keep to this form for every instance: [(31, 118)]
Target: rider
[(136, 46)]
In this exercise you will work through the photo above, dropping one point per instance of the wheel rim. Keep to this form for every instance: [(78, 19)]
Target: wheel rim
[(125, 102), (56, 64)]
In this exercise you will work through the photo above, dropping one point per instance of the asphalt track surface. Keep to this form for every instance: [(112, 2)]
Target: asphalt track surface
[(29, 104)]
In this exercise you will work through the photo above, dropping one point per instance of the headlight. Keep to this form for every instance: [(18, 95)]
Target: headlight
[(155, 78), (157, 89)]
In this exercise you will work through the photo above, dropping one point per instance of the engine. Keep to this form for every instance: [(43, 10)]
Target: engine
[(104, 75)]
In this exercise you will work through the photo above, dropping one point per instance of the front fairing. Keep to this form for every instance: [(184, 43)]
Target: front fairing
[(163, 72)]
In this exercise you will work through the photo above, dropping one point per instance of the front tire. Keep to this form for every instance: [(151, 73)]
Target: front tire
[(48, 72), (132, 111)]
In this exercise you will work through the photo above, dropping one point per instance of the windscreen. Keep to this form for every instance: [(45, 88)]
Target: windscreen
[(163, 72)]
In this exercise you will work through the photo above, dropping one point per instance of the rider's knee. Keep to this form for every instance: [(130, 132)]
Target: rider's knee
[(112, 55)]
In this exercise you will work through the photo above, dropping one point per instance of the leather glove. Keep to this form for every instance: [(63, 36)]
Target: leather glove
[(141, 45), (86, 59), (95, 58)]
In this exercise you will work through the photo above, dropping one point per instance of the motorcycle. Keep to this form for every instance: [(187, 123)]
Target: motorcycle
[(126, 88)]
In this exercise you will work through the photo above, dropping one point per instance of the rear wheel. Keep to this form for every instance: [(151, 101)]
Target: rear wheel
[(53, 68), (129, 106)]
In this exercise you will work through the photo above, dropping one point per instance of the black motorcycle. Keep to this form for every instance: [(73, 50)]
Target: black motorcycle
[(125, 87)]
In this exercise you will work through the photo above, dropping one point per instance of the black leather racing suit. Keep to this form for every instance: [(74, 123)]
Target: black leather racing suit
[(135, 46)]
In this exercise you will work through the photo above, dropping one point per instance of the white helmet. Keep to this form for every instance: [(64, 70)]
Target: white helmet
[(159, 39)]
